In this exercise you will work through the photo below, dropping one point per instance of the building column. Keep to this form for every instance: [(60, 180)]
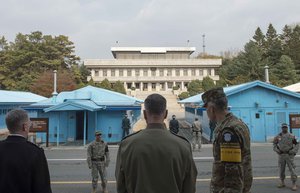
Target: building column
[(149, 86), (125, 85), (157, 86), (182, 85), (212, 72), (166, 86), (133, 84)]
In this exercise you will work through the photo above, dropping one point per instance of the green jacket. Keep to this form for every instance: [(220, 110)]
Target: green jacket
[(155, 160), (232, 167)]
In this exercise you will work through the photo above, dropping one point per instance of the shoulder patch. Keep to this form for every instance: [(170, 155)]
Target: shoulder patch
[(230, 146), (131, 135)]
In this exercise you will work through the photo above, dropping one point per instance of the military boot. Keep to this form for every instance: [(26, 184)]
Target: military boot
[(294, 187), (94, 190), (281, 184), (105, 190)]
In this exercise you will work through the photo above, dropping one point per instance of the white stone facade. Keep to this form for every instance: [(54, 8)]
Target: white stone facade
[(153, 68)]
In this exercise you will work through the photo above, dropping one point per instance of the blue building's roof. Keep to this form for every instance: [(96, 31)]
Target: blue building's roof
[(86, 98), (238, 88), (18, 97)]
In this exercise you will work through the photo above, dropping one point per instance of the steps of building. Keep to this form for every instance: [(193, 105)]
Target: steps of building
[(172, 105)]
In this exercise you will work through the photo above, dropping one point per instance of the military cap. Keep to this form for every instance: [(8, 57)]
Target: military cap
[(98, 133), (212, 95), (284, 125)]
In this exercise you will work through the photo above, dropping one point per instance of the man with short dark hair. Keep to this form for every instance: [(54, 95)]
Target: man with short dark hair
[(286, 146), (23, 165), (174, 125), (154, 159), (232, 167)]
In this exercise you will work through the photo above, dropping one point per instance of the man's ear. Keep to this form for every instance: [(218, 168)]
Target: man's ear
[(166, 114), (24, 125)]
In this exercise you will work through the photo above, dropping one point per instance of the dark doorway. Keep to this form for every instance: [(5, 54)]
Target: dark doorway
[(80, 125)]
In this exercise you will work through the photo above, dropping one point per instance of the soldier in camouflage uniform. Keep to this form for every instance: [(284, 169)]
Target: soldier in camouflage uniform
[(197, 134), (286, 146), (98, 159), (232, 168)]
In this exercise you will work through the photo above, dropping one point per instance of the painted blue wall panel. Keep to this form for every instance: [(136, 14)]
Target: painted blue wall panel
[(263, 110)]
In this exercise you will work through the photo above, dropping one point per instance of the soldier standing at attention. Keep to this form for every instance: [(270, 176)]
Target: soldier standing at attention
[(174, 125), (125, 125), (197, 134), (286, 146), (98, 159), (154, 159), (232, 168)]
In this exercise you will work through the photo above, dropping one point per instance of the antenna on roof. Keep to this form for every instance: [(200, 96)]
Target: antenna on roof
[(188, 42), (203, 37)]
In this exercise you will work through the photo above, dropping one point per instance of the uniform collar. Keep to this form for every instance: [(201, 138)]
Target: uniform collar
[(156, 126)]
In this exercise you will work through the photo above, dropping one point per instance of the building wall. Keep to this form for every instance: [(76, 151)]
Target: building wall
[(141, 71), (5, 108), (261, 109), (64, 123)]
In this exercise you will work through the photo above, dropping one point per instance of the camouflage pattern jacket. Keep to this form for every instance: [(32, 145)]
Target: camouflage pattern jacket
[(232, 168), (285, 143), (98, 151)]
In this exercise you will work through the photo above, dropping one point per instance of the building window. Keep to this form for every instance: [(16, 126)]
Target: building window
[(177, 72), (209, 71), (137, 72), (193, 72), (185, 72), (113, 72), (104, 72), (145, 72), (121, 72), (169, 72), (161, 72), (153, 73), (96, 73), (129, 72), (201, 72)]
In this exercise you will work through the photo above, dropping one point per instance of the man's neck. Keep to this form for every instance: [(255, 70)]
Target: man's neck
[(220, 116), (17, 134)]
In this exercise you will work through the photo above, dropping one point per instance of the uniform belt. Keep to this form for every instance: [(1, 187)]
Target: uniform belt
[(99, 159)]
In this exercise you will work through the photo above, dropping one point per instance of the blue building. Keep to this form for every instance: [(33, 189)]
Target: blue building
[(16, 99), (76, 115), (262, 106)]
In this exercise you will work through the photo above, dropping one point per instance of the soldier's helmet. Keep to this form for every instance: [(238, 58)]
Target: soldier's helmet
[(212, 95), (98, 133), (284, 125)]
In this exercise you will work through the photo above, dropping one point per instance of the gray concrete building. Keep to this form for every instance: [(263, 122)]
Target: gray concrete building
[(153, 68)]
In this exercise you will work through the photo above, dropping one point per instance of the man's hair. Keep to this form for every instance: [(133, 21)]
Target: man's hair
[(196, 119), (155, 104), (15, 119), (220, 104)]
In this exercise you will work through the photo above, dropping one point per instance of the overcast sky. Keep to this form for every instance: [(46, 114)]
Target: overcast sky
[(95, 25)]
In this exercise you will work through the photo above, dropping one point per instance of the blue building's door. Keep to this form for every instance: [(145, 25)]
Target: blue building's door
[(257, 127)]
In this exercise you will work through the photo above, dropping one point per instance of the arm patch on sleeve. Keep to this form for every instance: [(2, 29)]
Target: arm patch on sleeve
[(230, 146)]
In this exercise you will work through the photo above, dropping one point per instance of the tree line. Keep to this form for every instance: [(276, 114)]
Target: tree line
[(27, 63), (280, 52)]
